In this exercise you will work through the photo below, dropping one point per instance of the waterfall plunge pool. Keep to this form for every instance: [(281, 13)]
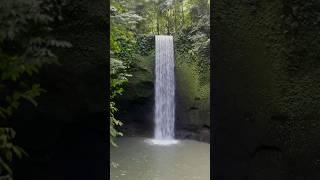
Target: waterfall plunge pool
[(167, 142), (138, 159)]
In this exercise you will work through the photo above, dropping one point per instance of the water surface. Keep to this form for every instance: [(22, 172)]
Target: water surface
[(137, 159)]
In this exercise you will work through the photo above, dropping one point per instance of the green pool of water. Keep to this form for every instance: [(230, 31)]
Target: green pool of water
[(138, 159)]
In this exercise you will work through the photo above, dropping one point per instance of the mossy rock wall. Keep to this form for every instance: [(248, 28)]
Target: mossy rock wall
[(192, 99), (136, 103), (193, 106), (266, 90)]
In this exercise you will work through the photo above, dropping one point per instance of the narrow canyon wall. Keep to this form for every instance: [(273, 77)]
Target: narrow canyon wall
[(266, 90), (137, 103)]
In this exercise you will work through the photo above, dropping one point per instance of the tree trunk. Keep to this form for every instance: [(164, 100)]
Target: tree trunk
[(158, 26), (168, 23), (182, 13), (157, 16), (175, 16)]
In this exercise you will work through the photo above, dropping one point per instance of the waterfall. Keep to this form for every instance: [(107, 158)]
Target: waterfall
[(164, 115)]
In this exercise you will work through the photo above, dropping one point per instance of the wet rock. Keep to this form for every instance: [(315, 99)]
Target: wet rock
[(204, 134), (193, 132)]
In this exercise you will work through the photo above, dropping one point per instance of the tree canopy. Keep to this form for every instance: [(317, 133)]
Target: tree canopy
[(27, 44), (133, 22)]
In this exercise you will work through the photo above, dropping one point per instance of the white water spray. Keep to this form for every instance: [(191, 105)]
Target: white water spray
[(164, 91)]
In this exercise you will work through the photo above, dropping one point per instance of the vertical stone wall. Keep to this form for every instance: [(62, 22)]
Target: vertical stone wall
[(266, 90)]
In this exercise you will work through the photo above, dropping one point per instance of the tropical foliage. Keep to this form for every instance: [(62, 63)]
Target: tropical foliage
[(122, 43), (133, 22), (26, 45)]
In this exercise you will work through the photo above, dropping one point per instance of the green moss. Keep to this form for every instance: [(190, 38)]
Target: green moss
[(140, 85), (187, 80), (268, 66), (193, 95), (192, 92)]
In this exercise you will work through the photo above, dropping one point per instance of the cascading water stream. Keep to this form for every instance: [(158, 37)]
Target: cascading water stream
[(164, 114)]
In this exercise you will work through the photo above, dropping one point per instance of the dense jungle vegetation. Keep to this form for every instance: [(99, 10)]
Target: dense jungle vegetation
[(133, 26), (26, 45), (33, 37), (266, 78)]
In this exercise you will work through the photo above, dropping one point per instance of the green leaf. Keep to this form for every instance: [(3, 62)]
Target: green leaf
[(30, 99), (19, 151), (5, 166), (9, 155)]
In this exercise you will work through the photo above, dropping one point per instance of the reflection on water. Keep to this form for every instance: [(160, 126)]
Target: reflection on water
[(135, 159)]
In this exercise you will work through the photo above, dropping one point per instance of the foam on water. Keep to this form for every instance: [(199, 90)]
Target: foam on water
[(164, 142)]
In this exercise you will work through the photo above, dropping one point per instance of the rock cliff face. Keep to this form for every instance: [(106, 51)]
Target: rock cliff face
[(266, 90), (67, 132), (192, 105)]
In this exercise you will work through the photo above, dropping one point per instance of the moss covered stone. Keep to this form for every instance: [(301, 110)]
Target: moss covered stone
[(266, 106)]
